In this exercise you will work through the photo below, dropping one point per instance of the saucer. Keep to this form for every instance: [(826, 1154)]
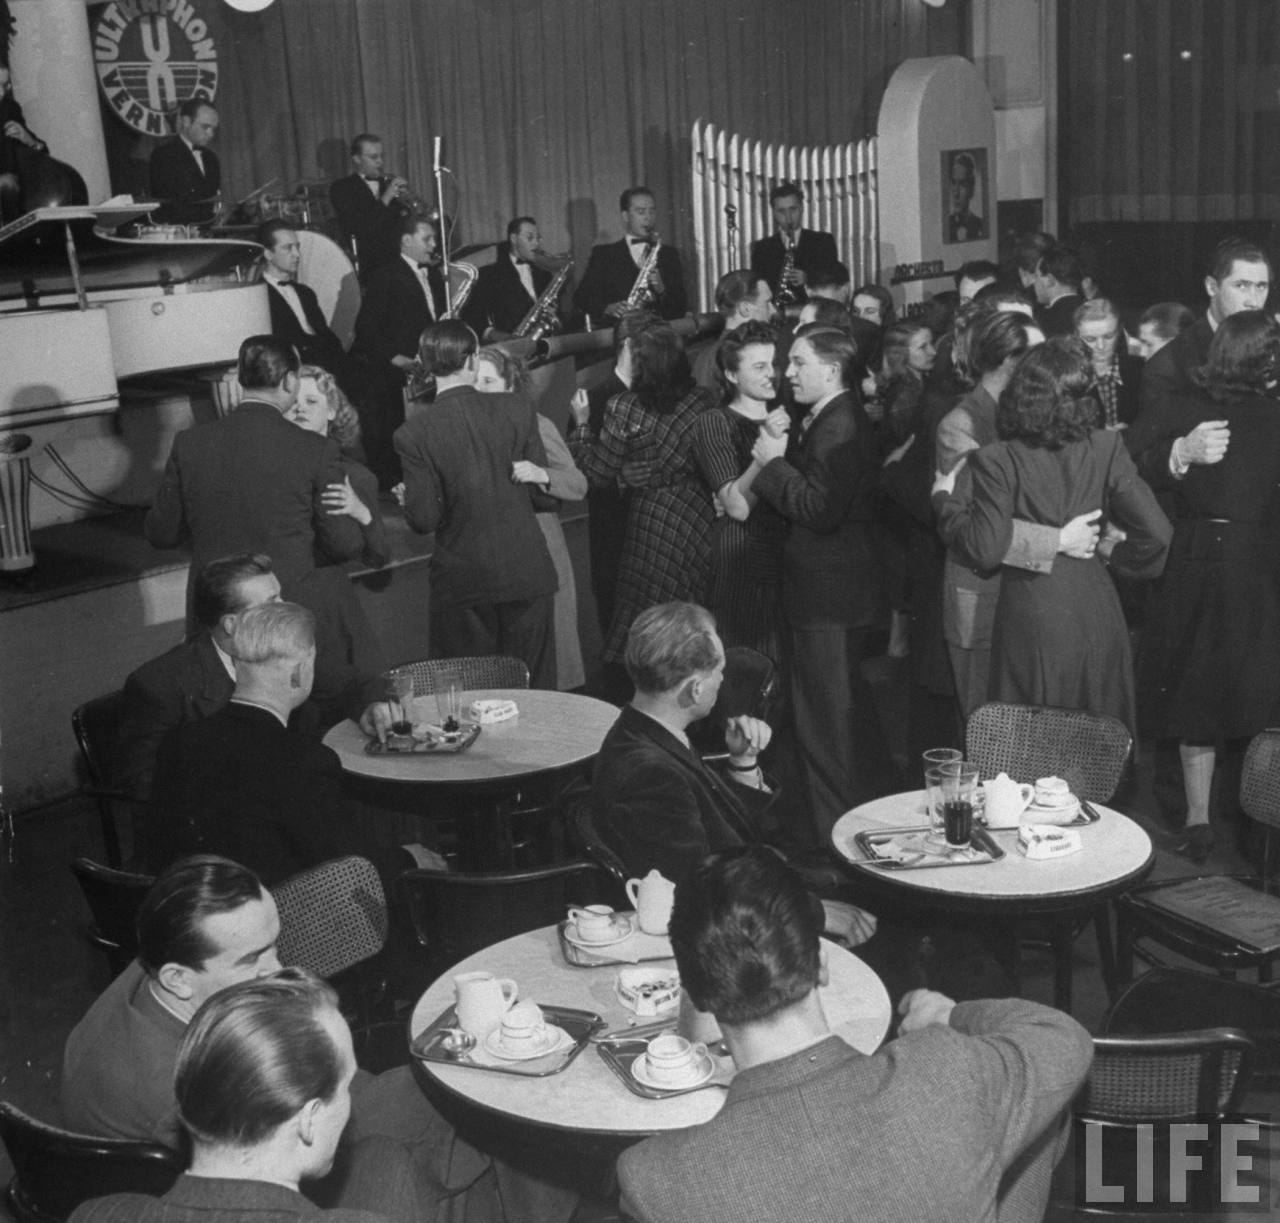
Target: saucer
[(640, 1072), (1035, 809), (553, 1039), (621, 922)]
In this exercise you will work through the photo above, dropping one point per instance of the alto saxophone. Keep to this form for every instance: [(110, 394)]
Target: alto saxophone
[(642, 291), (542, 316), (462, 279), (787, 294)]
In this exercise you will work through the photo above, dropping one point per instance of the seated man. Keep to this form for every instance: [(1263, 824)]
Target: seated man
[(197, 677), (263, 1088), (207, 924), (241, 783), (944, 1123)]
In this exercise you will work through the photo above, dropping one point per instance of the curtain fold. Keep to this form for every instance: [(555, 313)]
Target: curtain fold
[(546, 107)]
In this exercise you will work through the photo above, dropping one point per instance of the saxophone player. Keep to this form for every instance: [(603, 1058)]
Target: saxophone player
[(791, 252), (508, 287), (609, 286)]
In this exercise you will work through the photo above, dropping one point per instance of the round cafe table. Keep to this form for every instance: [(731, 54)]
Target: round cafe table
[(587, 1098), (1116, 854), (553, 734)]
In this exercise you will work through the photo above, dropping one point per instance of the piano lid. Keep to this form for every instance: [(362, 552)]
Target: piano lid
[(34, 261)]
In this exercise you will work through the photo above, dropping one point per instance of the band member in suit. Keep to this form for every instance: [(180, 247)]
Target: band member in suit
[(401, 298), (510, 286), (614, 267), (296, 315), (185, 174), (368, 204), (813, 248)]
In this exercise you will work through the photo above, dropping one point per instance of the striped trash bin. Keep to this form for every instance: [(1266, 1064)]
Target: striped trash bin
[(16, 555)]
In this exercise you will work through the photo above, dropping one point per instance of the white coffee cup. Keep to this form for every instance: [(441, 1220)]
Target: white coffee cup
[(671, 1059), (523, 1026), (1006, 800), (595, 923), (653, 897), (483, 999)]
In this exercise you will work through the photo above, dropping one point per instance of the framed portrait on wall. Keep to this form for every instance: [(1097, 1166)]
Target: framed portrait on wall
[(965, 199)]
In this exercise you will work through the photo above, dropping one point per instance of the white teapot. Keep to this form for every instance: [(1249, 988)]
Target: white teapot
[(1006, 800), (652, 896)]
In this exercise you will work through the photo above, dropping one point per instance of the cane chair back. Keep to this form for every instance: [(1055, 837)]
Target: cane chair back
[(486, 671), (332, 916), (54, 1170), (1260, 781), (114, 898), (1087, 750)]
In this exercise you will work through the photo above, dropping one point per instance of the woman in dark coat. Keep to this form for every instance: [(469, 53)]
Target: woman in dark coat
[(1059, 638), (646, 443), (1211, 653)]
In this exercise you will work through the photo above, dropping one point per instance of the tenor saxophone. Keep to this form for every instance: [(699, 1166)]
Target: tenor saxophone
[(642, 291), (462, 279), (542, 316), (787, 294)]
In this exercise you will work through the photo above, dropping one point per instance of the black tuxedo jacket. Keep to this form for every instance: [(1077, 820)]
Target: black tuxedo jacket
[(656, 804), (610, 274), (1060, 318), (815, 249), (177, 182), (499, 300), (237, 783), (825, 487), (366, 221), (323, 348), (393, 313)]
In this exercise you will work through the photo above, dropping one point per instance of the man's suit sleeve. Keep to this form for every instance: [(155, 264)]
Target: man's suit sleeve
[(531, 448), (374, 329), (147, 716), (423, 494), (165, 525), (818, 497), (827, 255), (339, 537), (655, 815)]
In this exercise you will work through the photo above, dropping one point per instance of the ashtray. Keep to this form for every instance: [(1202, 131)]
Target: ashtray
[(648, 989)]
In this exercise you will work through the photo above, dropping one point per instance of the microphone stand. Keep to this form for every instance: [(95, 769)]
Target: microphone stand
[(442, 236)]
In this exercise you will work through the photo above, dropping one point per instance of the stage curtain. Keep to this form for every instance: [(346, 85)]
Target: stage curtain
[(548, 107), (1170, 110)]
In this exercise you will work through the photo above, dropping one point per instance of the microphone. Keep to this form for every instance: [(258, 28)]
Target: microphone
[(435, 155)]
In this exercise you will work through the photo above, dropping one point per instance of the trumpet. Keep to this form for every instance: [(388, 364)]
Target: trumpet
[(542, 316), (642, 291)]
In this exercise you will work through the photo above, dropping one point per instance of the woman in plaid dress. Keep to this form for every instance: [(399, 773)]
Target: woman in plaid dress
[(646, 443)]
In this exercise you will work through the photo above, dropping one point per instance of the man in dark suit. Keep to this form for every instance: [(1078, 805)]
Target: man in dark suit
[(492, 579), (509, 287), (253, 482), (814, 1129), (823, 480), (401, 299), (296, 316), (369, 207), (813, 248), (1057, 287), (242, 784), (185, 175), (196, 678), (613, 269)]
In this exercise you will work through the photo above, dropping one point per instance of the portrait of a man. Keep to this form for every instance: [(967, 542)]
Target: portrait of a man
[(964, 184)]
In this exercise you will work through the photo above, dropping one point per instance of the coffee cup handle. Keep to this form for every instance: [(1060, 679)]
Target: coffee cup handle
[(1028, 792), (698, 1049), (633, 892), (510, 992), (577, 915)]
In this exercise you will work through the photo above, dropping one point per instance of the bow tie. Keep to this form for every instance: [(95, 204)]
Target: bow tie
[(285, 280), (521, 263), (640, 241), (372, 178)]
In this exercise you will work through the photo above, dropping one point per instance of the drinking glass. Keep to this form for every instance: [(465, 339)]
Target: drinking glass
[(400, 698), (959, 782), (932, 759), (447, 682)]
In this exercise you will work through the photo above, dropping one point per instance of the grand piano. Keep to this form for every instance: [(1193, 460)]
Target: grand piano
[(83, 310)]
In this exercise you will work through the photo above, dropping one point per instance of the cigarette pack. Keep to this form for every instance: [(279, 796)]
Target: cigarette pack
[(1047, 840)]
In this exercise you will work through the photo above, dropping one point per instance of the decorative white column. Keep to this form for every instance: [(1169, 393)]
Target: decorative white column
[(55, 82)]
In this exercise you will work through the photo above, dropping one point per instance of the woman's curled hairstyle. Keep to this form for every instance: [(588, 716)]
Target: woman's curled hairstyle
[(1049, 400)]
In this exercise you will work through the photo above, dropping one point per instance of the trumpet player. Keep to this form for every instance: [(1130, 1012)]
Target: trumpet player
[(610, 287), (369, 205), (509, 287), (809, 249)]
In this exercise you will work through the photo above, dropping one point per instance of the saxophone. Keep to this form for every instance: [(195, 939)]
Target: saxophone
[(542, 316), (642, 292), (787, 294), (462, 279)]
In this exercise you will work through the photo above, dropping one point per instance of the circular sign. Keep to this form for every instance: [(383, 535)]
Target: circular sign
[(152, 55)]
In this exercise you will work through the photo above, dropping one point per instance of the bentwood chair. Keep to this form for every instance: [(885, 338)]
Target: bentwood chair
[(96, 724), (333, 917), (575, 801), (1138, 1089), (54, 1170), (114, 898), (750, 686), (1179, 914), (456, 914)]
